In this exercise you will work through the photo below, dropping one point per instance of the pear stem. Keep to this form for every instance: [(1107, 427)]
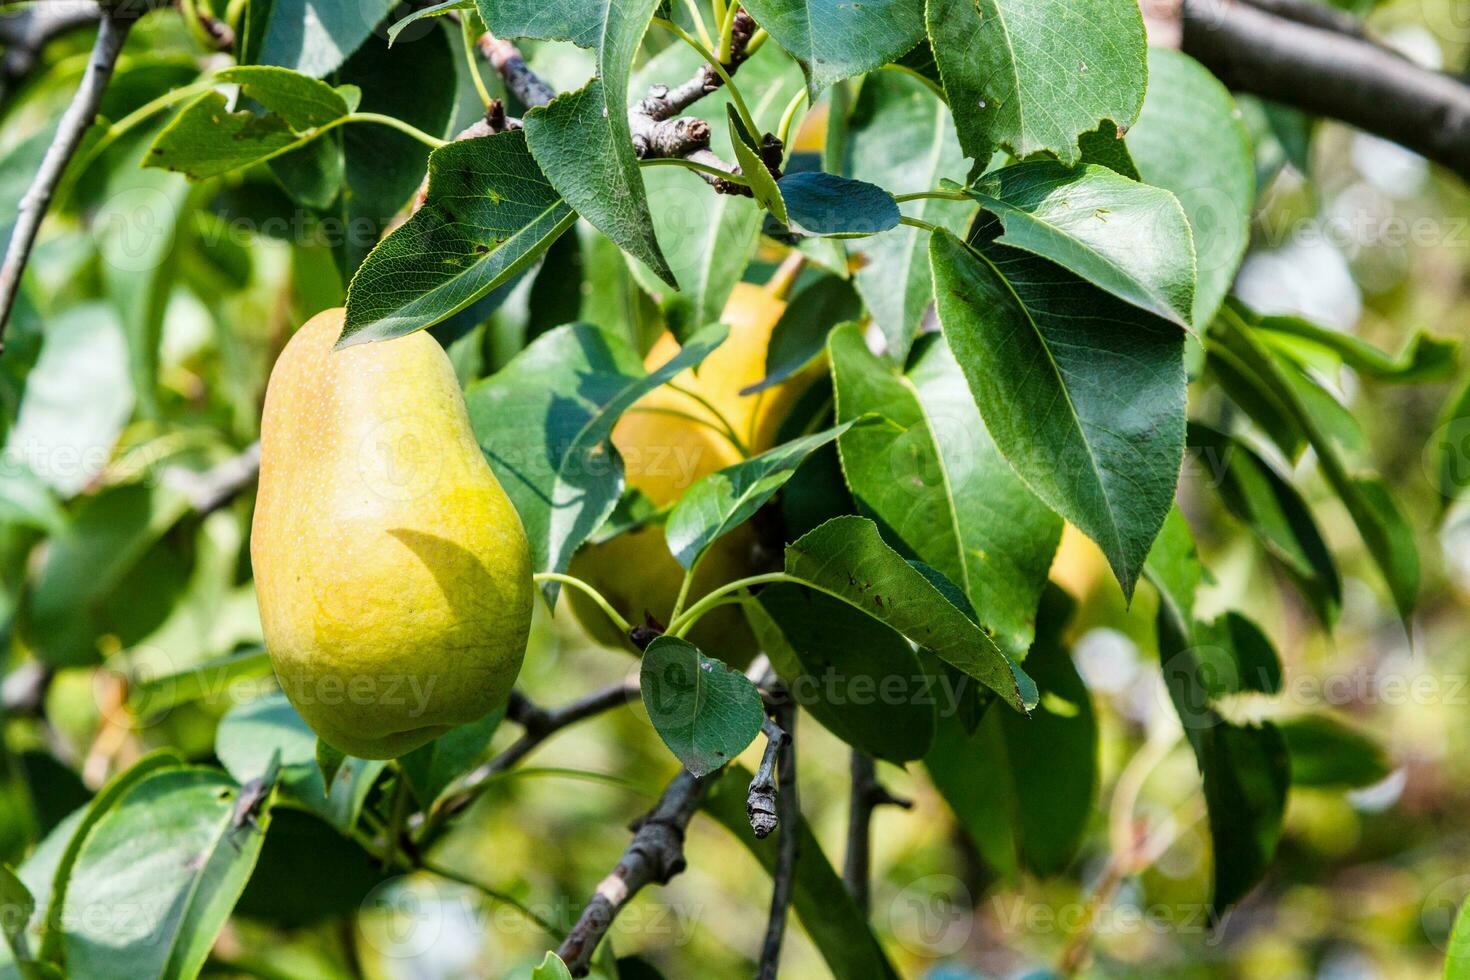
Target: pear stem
[(543, 577)]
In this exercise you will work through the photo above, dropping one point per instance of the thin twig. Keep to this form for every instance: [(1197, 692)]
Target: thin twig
[(210, 490), (539, 724), (654, 855), (784, 876), (112, 31), (867, 795), (27, 31), (520, 80), (760, 801)]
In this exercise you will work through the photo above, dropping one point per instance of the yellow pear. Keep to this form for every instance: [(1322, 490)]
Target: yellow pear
[(669, 439), (392, 572)]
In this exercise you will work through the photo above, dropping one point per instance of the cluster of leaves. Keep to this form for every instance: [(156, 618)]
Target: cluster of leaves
[(1079, 280)]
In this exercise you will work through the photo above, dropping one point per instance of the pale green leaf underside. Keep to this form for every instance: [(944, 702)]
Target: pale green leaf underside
[(837, 39)]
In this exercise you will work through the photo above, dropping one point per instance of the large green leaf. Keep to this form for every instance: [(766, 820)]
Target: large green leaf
[(251, 735), (431, 768), (834, 39), (1245, 768), (859, 678), (171, 848), (1189, 139), (848, 559), (311, 36), (583, 140), (490, 213), (1122, 236), (545, 423), (820, 203), (1270, 506), (206, 139), (19, 907), (1024, 787), (705, 712), (69, 836), (902, 138), (1385, 531), (929, 473), (1083, 393), (720, 502), (1033, 75), (831, 918)]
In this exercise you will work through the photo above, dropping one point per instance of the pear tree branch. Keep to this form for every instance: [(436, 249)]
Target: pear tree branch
[(867, 795), (112, 31), (789, 810)]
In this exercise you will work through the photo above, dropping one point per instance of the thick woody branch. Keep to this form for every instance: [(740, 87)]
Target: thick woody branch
[(1334, 74), (25, 32), (212, 489), (867, 795), (784, 877), (111, 32), (1313, 14)]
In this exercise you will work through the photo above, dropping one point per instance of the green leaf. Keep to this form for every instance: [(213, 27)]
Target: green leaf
[(838, 207), (902, 138), (72, 832), (551, 968), (170, 845), (329, 761), (1422, 358), (490, 213), (1033, 75), (1457, 952), (1127, 238), (848, 559), (19, 906), (1449, 449), (1189, 140), (936, 483), (705, 712), (1024, 788), (859, 678), (78, 397), (1384, 530), (313, 37), (1326, 752), (1083, 394), (722, 501), (64, 610), (833, 39), (431, 768), (545, 423), (801, 333), (436, 10), (763, 186), (1245, 768), (582, 140), (205, 139), (836, 925), (1271, 508), (252, 734)]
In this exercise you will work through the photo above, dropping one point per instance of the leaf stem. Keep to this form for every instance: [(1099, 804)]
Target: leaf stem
[(925, 80), (683, 623), (394, 834), (788, 117), (576, 583), (467, 35), (697, 167), (916, 223), (756, 40), (726, 49), (935, 195), (728, 429), (390, 121), (699, 25), (719, 69)]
